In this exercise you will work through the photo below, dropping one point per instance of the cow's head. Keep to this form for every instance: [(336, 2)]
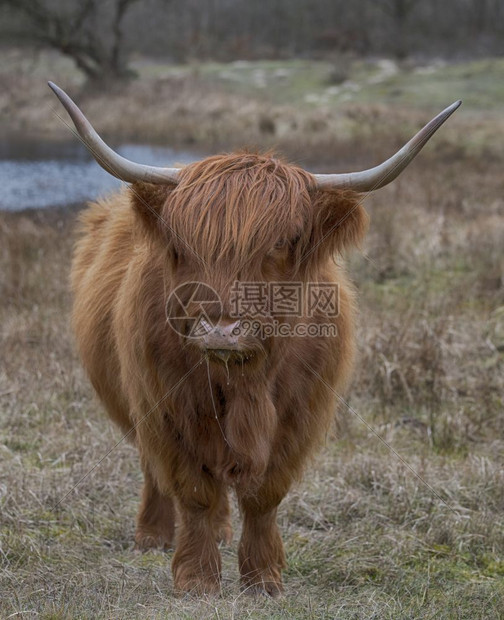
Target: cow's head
[(242, 218), (238, 229)]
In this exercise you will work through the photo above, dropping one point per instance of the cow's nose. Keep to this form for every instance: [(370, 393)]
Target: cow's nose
[(220, 337)]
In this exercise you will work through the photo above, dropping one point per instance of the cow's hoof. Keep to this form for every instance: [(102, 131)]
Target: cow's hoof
[(146, 540), (266, 586), (196, 586)]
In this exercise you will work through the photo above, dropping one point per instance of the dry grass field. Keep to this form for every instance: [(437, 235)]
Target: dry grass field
[(402, 513)]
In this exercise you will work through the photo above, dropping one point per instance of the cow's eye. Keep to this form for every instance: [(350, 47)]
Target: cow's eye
[(282, 243)]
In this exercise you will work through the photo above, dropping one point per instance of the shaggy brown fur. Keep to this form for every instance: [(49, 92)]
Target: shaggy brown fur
[(199, 430)]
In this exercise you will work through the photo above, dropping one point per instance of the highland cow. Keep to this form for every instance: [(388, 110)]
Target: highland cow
[(211, 406)]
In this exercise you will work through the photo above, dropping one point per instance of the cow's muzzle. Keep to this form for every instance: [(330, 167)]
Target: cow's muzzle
[(221, 341)]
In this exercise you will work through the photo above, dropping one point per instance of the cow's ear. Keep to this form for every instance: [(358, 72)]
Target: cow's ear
[(340, 221), (149, 202)]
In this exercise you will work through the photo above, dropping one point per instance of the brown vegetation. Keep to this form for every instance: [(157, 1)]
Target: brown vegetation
[(195, 107)]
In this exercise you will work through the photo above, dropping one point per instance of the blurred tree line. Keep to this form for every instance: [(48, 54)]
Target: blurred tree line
[(100, 35)]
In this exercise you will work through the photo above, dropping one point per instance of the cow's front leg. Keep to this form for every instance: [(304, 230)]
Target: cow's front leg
[(156, 517), (260, 553), (196, 564), (222, 520)]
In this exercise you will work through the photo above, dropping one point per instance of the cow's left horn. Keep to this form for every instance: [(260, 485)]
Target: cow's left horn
[(379, 176), (108, 159)]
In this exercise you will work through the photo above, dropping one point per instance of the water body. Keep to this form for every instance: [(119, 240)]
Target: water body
[(37, 174)]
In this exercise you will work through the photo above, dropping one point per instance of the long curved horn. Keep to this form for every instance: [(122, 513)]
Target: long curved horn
[(379, 176), (108, 159)]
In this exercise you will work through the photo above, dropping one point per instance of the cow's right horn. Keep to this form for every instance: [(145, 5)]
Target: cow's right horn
[(108, 159)]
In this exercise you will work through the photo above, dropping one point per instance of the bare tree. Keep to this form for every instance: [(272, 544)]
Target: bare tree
[(98, 33), (79, 32), (399, 12)]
